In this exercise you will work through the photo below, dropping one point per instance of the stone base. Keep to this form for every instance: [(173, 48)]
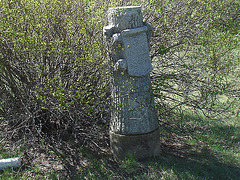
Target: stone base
[(140, 146)]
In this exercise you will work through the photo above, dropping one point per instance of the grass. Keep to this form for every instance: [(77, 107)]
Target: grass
[(212, 152)]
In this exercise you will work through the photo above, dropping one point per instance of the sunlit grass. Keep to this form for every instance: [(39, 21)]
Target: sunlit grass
[(211, 152)]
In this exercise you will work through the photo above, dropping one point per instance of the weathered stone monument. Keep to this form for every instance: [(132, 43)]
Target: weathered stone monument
[(134, 126)]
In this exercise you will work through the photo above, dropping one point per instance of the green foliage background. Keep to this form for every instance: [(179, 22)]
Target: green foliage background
[(53, 59)]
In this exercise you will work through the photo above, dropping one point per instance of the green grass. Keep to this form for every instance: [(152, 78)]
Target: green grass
[(211, 152)]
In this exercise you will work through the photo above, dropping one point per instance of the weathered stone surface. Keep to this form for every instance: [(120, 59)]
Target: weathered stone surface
[(134, 123), (140, 146), (136, 52), (127, 17), (133, 105)]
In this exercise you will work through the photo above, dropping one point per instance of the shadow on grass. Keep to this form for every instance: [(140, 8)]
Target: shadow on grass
[(198, 164), (227, 135), (212, 155), (175, 161)]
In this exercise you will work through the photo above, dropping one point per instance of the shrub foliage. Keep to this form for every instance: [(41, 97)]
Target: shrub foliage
[(54, 69)]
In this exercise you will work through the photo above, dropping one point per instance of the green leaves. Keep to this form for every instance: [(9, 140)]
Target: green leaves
[(58, 45), (194, 46), (163, 50), (52, 53)]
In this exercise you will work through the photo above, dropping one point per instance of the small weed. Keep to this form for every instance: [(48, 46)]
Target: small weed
[(130, 164), (52, 176)]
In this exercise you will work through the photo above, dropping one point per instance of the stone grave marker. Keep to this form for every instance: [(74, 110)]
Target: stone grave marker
[(134, 128)]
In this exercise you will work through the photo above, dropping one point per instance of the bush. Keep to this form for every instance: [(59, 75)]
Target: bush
[(54, 66), (195, 54)]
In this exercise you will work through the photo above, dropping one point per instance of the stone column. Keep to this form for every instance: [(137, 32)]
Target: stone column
[(134, 126)]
